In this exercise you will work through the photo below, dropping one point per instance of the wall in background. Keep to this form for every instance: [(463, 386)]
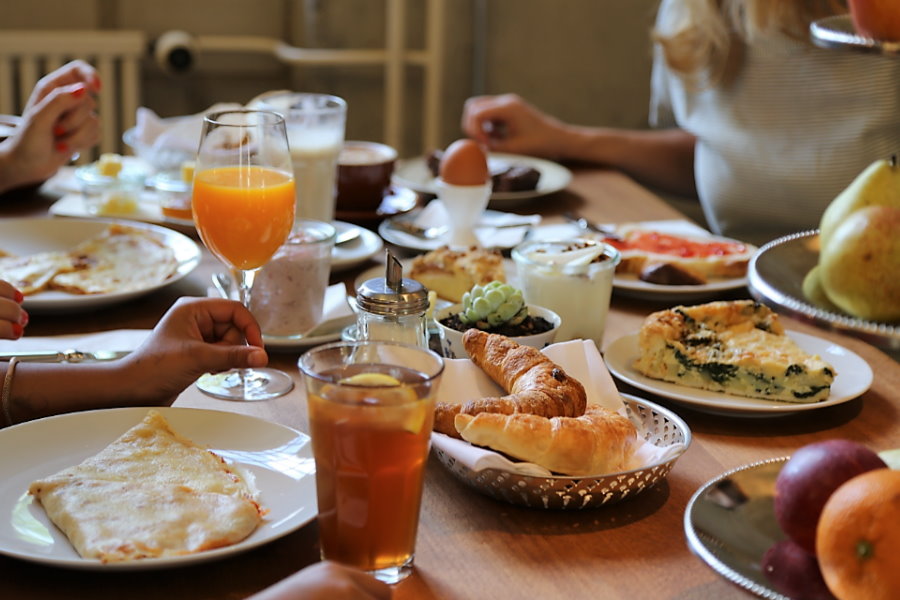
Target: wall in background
[(587, 61)]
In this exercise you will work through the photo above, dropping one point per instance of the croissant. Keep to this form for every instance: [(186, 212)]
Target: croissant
[(534, 384), (599, 442)]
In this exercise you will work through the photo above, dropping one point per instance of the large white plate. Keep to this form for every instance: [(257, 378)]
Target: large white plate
[(393, 234), (629, 285), (280, 459), (415, 174), (28, 236), (357, 251), (854, 376)]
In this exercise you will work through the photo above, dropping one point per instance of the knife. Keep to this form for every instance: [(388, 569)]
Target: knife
[(70, 356)]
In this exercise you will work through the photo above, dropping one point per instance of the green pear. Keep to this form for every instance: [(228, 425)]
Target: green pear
[(860, 267), (814, 292), (877, 185)]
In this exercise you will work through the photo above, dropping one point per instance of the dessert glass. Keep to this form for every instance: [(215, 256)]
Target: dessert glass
[(289, 291), (370, 440), (573, 278)]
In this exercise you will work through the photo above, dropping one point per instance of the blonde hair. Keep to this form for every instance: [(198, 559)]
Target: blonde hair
[(714, 32)]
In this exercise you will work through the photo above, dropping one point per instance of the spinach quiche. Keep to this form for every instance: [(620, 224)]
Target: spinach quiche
[(737, 347)]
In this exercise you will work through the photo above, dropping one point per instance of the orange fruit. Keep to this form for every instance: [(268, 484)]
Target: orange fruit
[(858, 537)]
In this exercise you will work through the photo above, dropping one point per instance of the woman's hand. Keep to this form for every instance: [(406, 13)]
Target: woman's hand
[(327, 581), (59, 121), (195, 336), (13, 317), (507, 123)]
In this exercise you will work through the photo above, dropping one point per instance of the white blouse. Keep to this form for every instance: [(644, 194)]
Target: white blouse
[(793, 129)]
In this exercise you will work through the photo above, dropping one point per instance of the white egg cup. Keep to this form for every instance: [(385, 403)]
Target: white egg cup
[(465, 205)]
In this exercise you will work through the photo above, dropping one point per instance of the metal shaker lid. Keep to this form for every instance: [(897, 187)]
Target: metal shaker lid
[(392, 294)]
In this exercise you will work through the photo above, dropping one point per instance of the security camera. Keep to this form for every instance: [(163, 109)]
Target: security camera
[(174, 51)]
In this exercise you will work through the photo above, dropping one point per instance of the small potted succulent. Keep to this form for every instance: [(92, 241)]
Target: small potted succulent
[(496, 307)]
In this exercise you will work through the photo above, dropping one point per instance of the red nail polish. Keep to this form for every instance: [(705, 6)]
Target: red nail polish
[(17, 330), (78, 92), (59, 131), (19, 297), (62, 147)]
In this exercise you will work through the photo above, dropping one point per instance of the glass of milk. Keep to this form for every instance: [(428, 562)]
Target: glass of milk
[(288, 293), (315, 129), (573, 278)]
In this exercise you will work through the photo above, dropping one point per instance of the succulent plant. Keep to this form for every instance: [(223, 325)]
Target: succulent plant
[(493, 304)]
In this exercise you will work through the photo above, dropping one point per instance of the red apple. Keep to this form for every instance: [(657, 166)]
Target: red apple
[(807, 480), (794, 572), (878, 19)]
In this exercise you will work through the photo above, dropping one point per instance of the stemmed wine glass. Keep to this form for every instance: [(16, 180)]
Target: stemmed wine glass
[(243, 205)]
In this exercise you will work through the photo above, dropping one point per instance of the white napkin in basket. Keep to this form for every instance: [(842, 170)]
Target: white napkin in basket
[(463, 380), (181, 133), (487, 231)]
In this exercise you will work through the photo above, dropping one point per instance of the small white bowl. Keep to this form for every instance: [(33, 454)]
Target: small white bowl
[(451, 339)]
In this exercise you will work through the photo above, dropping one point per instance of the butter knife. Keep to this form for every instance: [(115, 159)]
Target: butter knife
[(70, 356)]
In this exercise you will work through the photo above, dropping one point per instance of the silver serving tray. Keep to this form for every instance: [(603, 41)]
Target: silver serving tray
[(775, 277), (660, 426), (730, 523), (838, 32)]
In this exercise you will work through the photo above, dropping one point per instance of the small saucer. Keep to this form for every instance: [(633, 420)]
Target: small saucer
[(397, 201)]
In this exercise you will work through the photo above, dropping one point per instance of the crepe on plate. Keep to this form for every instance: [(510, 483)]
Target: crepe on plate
[(151, 493), (119, 259)]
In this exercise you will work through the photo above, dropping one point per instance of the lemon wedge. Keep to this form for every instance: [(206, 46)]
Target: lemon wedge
[(370, 379)]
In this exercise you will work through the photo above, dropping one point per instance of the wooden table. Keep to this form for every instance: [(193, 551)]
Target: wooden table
[(471, 546)]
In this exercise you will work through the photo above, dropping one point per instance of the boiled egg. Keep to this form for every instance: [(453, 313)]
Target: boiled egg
[(464, 163)]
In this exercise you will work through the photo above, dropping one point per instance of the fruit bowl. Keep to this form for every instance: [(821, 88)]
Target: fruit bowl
[(775, 277)]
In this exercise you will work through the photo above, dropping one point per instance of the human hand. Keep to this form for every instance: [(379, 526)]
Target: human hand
[(13, 317), (507, 123), (195, 336), (327, 581)]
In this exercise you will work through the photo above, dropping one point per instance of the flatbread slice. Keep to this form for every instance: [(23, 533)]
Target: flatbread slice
[(121, 259), (151, 493), (32, 273)]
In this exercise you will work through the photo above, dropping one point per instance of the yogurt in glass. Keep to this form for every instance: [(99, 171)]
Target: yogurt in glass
[(573, 278)]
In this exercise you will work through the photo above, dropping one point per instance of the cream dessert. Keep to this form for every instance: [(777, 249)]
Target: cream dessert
[(573, 279)]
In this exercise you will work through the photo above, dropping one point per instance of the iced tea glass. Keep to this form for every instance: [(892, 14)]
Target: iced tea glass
[(371, 409)]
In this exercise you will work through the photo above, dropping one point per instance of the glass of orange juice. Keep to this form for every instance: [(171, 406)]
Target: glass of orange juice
[(371, 409), (243, 208)]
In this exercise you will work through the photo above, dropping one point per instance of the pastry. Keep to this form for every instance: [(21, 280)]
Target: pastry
[(596, 443), (452, 273), (150, 493), (534, 384), (738, 347)]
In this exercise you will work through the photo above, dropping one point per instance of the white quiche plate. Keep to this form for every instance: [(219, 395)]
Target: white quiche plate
[(854, 376), (31, 235), (279, 458)]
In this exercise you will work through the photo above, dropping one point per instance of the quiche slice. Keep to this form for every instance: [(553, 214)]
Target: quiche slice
[(452, 273), (738, 347), (150, 493)]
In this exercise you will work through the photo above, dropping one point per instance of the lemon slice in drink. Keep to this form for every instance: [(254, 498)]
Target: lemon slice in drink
[(370, 379)]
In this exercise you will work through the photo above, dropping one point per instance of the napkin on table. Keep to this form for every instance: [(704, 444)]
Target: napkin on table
[(181, 133), (489, 235), (115, 341), (463, 380)]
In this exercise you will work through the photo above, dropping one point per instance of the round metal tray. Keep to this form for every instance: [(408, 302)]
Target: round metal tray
[(775, 276), (660, 426), (838, 32)]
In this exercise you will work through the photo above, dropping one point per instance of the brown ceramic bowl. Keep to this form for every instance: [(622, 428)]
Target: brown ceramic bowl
[(364, 175)]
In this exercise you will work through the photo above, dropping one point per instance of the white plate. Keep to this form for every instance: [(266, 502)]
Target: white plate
[(28, 236), (398, 237), (331, 334), (357, 251), (280, 458), (854, 376), (632, 287), (415, 174)]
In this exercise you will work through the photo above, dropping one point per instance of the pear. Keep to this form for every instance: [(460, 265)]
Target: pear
[(878, 184), (814, 292), (859, 267)]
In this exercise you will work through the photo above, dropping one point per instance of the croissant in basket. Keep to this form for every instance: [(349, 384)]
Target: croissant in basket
[(534, 384), (599, 442)]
